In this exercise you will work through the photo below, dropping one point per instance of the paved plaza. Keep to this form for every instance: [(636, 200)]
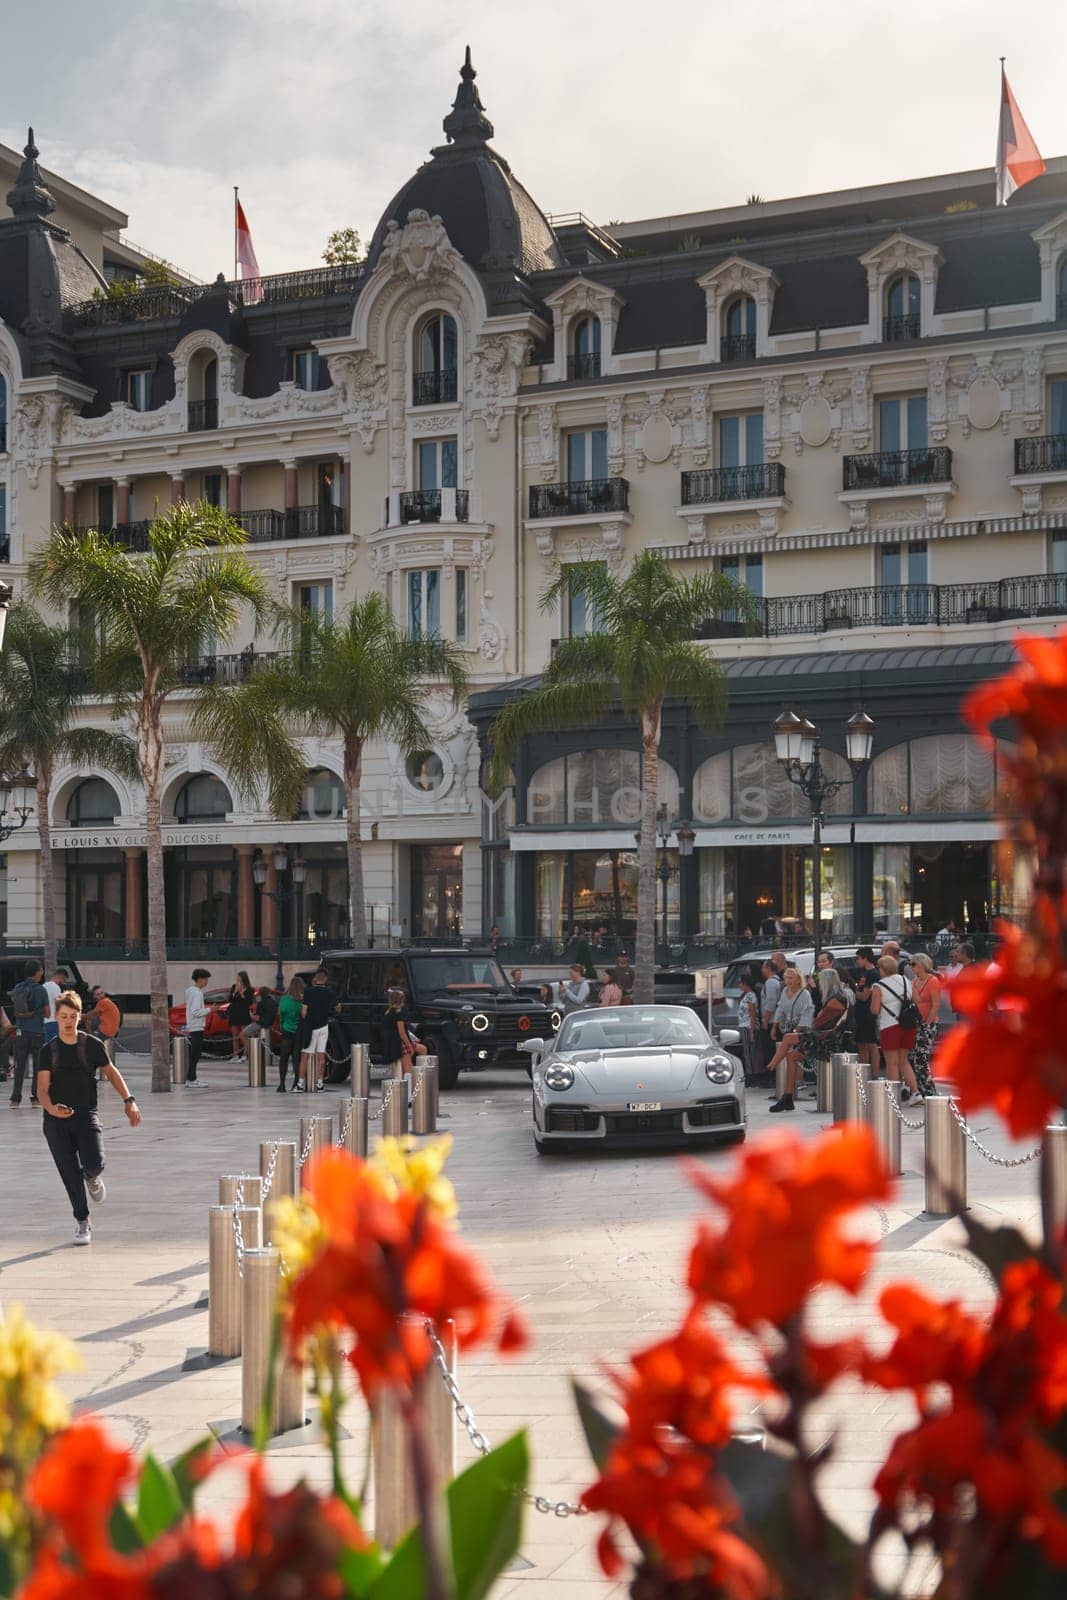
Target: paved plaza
[(592, 1248)]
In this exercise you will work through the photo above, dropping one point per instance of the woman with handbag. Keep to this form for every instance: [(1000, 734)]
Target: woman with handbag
[(399, 1047), (894, 1010), (926, 993)]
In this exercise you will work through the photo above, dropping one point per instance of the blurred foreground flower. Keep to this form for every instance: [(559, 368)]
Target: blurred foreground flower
[(31, 1409)]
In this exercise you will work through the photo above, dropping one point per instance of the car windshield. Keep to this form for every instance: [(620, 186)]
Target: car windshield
[(431, 974), (631, 1028)]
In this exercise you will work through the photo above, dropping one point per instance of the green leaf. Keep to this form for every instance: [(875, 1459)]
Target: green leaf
[(184, 1470), (359, 1570), (996, 1248), (123, 1531), (484, 1506), (159, 1505), (7, 1572), (600, 1432)]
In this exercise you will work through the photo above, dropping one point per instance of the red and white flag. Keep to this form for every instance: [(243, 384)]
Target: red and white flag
[(1018, 158), (248, 266)]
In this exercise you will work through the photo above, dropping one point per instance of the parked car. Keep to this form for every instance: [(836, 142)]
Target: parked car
[(459, 1004), (724, 1006), (635, 1075), (218, 1040)]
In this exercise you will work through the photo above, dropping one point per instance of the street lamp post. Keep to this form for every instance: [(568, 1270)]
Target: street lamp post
[(16, 795), (282, 895), (798, 746), (664, 871)]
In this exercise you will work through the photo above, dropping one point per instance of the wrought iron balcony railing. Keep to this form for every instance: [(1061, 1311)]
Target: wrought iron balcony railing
[(897, 328), (719, 484), (434, 388), (587, 497), (425, 505), (226, 669), (174, 300), (737, 347), (586, 365), (299, 522), (203, 414), (1048, 454), (894, 469)]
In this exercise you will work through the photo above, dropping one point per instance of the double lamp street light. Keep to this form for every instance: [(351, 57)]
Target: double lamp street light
[(798, 746), (282, 894)]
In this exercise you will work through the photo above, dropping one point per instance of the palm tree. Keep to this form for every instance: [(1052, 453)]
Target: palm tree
[(155, 612), (42, 688), (354, 677), (640, 649)]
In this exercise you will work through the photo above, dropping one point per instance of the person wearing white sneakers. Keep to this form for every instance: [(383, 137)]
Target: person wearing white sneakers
[(66, 1088)]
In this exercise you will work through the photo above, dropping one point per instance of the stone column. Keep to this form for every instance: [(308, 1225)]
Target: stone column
[(177, 488), (133, 898), (246, 904), (233, 491), (122, 500), (268, 913), (70, 504), (292, 485)]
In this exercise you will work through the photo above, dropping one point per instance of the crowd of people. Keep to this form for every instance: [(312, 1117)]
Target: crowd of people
[(302, 1014), (884, 1004), (33, 1022)]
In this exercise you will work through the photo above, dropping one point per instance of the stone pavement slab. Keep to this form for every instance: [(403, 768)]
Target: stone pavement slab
[(591, 1246)]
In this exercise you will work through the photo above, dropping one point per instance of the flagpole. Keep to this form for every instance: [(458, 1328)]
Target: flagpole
[(235, 233)]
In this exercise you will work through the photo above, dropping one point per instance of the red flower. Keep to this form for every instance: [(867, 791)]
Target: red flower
[(1034, 694), (1012, 1052), (76, 1485), (782, 1233), (387, 1266)]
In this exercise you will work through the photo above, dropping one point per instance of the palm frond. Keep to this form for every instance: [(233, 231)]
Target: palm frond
[(550, 706), (246, 722), (96, 747)]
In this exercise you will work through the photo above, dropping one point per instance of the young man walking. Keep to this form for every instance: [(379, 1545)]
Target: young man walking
[(320, 1004), (29, 1001), (195, 1018), (67, 1088)]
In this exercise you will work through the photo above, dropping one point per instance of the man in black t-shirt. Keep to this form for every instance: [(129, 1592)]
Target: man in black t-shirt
[(320, 1004), (66, 1087)]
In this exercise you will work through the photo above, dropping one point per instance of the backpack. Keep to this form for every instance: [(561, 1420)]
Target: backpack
[(908, 1013), (20, 999)]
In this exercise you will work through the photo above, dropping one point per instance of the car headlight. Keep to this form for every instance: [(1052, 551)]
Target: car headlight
[(556, 1020), (480, 1022), (559, 1077), (720, 1069)]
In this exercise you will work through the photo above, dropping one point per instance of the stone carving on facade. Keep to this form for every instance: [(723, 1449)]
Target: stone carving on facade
[(772, 418), (860, 402), (433, 422), (935, 507), (616, 452), (545, 540), (420, 248), (31, 436), (937, 399), (1032, 396), (497, 362), (364, 386), (492, 638), (548, 433), (698, 423), (1034, 500)]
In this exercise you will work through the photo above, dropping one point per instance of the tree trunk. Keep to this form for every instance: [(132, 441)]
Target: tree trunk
[(48, 878), (357, 906), (645, 955), (150, 755)]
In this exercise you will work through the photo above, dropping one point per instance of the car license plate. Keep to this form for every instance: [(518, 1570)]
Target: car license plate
[(645, 1105)]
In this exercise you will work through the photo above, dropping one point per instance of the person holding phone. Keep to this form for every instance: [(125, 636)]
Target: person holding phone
[(66, 1088)]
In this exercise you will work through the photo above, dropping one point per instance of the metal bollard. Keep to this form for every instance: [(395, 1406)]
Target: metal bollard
[(283, 1182), (855, 1110), (257, 1063), (259, 1287), (841, 1063), (321, 1131), (251, 1189), (1054, 1186), (395, 1508), (946, 1159), (423, 1114), (432, 1061), (885, 1124), (179, 1059), (395, 1097), (356, 1108), (361, 1071), (224, 1277), (822, 1085)]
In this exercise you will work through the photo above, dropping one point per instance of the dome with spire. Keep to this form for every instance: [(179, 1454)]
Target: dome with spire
[(489, 217)]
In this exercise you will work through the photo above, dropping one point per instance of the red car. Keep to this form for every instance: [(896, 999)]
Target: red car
[(218, 1040)]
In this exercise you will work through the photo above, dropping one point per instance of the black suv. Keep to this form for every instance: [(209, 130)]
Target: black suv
[(460, 1005)]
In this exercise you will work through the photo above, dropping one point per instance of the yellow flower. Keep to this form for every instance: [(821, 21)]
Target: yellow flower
[(31, 1407), (406, 1166), (296, 1233)]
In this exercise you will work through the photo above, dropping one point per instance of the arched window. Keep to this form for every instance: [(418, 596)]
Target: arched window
[(902, 305), (202, 799), (739, 330), (436, 361), (3, 413), (93, 801), (203, 391), (584, 358), (595, 788), (1061, 290), (747, 784), (322, 799), (948, 774)]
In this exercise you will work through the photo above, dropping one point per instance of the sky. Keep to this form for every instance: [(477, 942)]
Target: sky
[(321, 109)]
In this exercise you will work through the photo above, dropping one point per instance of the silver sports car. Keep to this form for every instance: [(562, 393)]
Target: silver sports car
[(634, 1075)]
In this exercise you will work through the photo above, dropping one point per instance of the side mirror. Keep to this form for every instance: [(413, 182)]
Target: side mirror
[(532, 1047), (729, 1036)]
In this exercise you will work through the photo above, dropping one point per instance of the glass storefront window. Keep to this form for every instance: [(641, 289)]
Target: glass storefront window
[(202, 799), (201, 893), (595, 788), (591, 889), (93, 801), (94, 896), (437, 891), (322, 799), (319, 914), (717, 891), (950, 774), (748, 784), (1013, 879), (892, 886), (838, 907)]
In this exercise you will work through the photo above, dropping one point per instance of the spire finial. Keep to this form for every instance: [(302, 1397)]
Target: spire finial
[(467, 122), (29, 197)]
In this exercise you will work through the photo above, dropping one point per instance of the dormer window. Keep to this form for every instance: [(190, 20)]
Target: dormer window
[(584, 358), (436, 361), (203, 392), (902, 308), (738, 342), (306, 369), (139, 390)]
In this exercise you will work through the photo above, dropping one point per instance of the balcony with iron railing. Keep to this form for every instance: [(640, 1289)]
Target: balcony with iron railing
[(897, 469), (203, 415), (894, 329), (721, 485), (131, 535), (227, 669), (298, 522), (737, 347), (1047, 454), (434, 505), (173, 300), (587, 497), (922, 605), (434, 388), (584, 365)]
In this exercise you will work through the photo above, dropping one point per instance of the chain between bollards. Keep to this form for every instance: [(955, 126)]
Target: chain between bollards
[(998, 1161)]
